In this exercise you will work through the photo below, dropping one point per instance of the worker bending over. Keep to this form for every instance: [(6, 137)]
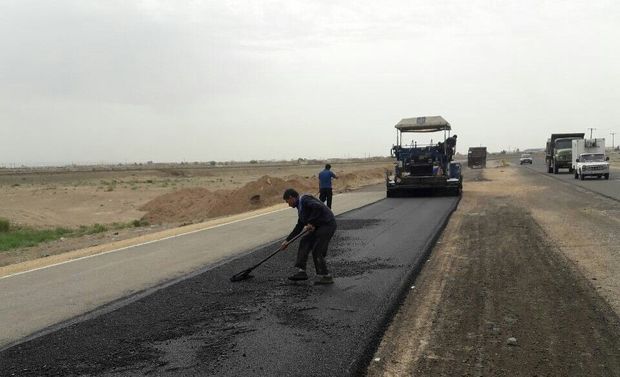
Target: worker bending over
[(319, 221)]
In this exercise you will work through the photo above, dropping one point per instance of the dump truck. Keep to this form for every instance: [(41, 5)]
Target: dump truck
[(477, 157), (588, 158), (423, 168), (558, 153)]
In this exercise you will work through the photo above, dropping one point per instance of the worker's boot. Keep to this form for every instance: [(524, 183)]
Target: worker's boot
[(323, 279), (300, 275)]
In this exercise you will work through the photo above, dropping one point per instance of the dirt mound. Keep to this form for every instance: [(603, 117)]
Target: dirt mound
[(198, 204), (357, 179)]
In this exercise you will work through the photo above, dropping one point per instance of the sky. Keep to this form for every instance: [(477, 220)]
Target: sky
[(121, 81)]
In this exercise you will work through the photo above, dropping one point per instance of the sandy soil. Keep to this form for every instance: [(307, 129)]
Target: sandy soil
[(166, 198), (524, 281)]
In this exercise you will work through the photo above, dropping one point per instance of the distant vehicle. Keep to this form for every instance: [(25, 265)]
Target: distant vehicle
[(558, 152), (419, 167), (589, 158), (525, 159), (477, 157)]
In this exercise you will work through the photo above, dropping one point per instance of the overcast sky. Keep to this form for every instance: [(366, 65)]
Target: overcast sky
[(122, 81)]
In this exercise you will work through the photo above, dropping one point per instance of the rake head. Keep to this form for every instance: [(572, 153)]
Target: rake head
[(243, 275)]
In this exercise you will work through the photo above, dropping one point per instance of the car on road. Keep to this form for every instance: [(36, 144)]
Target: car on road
[(593, 165), (525, 159)]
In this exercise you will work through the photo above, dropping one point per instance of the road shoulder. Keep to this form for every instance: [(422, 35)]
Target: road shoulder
[(498, 273)]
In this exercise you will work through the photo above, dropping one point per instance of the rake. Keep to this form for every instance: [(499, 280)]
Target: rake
[(245, 274)]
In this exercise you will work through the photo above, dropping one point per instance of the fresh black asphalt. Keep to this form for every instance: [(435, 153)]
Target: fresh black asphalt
[(206, 325)]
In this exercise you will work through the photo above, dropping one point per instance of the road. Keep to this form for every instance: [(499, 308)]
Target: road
[(206, 325), (34, 300), (609, 188)]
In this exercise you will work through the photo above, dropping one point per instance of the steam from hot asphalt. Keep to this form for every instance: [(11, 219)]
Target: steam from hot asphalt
[(206, 325)]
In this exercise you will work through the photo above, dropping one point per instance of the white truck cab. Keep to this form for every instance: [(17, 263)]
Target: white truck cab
[(526, 158), (589, 159)]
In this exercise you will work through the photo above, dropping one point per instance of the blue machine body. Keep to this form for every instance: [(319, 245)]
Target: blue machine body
[(420, 167)]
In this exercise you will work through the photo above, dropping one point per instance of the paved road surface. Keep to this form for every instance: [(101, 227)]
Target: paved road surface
[(609, 188), (37, 299), (268, 326)]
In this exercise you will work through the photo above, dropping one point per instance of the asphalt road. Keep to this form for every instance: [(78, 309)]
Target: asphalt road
[(34, 300), (206, 325), (609, 188)]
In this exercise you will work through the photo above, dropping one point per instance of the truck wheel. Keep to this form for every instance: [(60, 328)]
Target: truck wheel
[(607, 176)]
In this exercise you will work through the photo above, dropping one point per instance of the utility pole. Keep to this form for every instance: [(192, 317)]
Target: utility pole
[(591, 129), (613, 146)]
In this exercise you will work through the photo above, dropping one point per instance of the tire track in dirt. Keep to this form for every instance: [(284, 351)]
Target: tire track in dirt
[(494, 276)]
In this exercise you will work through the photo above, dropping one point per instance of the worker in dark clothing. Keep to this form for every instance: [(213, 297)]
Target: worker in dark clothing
[(450, 147), (325, 185), (320, 223)]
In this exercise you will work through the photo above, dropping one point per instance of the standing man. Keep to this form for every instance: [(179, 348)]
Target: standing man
[(451, 145), (325, 185), (318, 220)]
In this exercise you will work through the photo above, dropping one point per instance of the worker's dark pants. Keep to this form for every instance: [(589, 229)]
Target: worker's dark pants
[(317, 242), (325, 195)]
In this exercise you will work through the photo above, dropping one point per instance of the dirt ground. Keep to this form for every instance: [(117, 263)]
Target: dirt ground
[(525, 281), (166, 198)]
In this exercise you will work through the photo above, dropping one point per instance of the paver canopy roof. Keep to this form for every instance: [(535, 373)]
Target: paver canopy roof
[(423, 124)]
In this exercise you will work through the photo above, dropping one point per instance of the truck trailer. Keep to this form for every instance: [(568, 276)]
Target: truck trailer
[(558, 153), (477, 157), (588, 158)]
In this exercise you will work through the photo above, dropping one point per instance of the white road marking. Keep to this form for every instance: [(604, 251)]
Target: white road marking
[(141, 244)]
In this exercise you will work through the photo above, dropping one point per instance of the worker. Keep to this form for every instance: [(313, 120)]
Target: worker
[(437, 170), (320, 223), (325, 185), (451, 146)]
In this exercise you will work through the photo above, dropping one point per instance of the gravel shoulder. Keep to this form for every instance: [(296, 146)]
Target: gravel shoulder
[(524, 257)]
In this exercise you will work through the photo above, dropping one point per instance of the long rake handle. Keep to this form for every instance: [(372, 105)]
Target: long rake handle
[(246, 273), (277, 251)]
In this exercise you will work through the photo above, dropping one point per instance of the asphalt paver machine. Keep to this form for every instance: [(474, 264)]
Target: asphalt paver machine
[(424, 168)]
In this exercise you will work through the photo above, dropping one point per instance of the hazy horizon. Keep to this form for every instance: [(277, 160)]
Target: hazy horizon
[(333, 160), (124, 82)]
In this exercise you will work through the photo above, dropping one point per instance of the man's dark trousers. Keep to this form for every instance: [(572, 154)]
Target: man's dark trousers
[(317, 242), (325, 195)]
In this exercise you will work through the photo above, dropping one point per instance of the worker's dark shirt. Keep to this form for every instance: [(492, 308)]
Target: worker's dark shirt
[(311, 211), (451, 142)]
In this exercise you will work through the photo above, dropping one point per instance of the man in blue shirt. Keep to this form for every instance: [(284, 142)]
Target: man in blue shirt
[(325, 185)]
